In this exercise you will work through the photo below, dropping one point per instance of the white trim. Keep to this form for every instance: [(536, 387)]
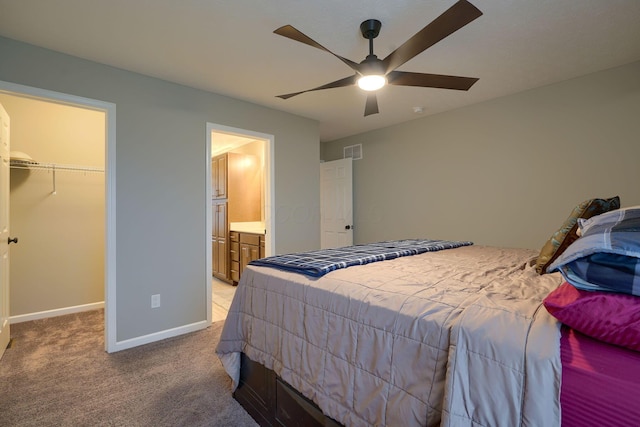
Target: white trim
[(56, 312), (208, 223), (157, 336), (110, 313), (110, 189), (49, 95), (269, 196)]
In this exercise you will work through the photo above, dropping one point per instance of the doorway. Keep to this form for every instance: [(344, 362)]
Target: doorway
[(259, 148), (68, 181)]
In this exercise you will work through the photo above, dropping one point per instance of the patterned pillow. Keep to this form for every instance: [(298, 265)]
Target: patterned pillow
[(606, 258), (607, 218), (566, 235)]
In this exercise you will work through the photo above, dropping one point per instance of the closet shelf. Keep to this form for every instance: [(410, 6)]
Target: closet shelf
[(53, 167)]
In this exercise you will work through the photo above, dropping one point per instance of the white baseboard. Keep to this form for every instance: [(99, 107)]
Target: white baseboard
[(119, 345), (157, 336), (53, 313)]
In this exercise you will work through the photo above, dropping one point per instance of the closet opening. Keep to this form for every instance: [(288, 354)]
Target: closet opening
[(58, 203)]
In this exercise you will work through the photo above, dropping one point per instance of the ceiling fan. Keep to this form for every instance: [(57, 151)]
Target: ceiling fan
[(373, 73)]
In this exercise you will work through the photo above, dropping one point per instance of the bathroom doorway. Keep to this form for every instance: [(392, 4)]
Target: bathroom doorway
[(249, 150)]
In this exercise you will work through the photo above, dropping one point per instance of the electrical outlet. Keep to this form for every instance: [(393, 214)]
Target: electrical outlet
[(155, 301)]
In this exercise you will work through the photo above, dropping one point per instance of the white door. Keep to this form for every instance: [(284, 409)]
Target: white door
[(4, 230), (336, 206)]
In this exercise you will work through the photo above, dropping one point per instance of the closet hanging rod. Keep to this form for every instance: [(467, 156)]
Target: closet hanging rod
[(53, 166)]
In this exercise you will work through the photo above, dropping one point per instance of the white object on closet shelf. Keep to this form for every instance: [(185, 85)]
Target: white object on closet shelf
[(20, 158)]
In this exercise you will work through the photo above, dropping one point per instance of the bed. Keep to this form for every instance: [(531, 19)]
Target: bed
[(466, 335)]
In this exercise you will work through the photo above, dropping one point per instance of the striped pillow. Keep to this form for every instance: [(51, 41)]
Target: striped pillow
[(566, 235)]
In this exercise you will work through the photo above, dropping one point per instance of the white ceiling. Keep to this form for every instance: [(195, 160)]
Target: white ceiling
[(228, 47)]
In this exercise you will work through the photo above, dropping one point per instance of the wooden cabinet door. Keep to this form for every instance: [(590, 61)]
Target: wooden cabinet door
[(219, 241), (219, 177), (249, 249), (220, 220), (248, 253), (245, 256), (254, 253), (220, 268)]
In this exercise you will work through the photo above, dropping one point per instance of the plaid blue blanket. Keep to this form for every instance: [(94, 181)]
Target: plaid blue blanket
[(318, 263), (605, 258)]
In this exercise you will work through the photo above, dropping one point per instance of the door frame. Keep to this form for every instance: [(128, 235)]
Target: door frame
[(269, 190), (109, 109)]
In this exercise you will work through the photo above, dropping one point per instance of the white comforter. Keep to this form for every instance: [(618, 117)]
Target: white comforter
[(457, 337)]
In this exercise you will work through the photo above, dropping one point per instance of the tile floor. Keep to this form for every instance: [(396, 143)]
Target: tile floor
[(221, 294)]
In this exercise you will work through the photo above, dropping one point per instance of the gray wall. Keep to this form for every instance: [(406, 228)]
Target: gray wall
[(506, 172), (160, 178)]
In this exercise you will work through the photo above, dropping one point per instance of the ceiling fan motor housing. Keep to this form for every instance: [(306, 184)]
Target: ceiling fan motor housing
[(371, 65), (370, 28)]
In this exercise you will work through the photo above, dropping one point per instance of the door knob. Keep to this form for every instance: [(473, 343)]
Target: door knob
[(347, 227), (14, 240)]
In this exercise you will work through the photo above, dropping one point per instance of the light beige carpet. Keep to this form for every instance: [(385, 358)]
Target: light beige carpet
[(57, 373)]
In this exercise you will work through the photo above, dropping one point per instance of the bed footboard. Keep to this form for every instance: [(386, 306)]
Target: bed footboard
[(272, 402)]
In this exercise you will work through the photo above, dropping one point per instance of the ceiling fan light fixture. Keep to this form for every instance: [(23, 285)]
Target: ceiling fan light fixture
[(372, 82)]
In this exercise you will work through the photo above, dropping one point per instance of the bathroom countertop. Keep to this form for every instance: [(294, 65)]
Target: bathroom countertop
[(256, 227)]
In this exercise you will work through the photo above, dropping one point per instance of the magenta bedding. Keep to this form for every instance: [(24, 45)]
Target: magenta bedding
[(606, 316), (600, 382)]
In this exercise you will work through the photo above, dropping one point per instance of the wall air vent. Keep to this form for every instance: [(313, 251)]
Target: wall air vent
[(353, 151)]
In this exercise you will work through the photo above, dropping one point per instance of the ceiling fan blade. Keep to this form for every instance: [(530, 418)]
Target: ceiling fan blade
[(454, 18), (402, 78), (347, 81), (292, 33), (371, 107)]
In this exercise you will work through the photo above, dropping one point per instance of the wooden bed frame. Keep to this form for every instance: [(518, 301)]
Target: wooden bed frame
[(273, 402)]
